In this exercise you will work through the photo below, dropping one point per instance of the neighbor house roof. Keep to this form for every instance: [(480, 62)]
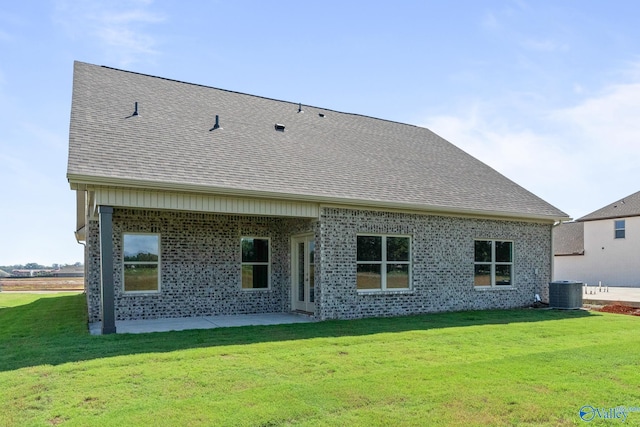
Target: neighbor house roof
[(321, 155), (626, 207), (568, 239)]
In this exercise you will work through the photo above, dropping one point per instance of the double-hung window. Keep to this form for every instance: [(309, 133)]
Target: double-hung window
[(493, 263), (141, 262), (619, 228), (383, 262), (255, 263)]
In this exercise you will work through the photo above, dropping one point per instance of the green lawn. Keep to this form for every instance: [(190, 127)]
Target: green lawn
[(516, 367)]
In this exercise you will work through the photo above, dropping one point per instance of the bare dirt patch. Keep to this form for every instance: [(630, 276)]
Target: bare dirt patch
[(619, 309), (42, 284)]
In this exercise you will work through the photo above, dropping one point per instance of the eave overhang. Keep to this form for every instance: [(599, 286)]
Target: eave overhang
[(609, 217), (83, 182)]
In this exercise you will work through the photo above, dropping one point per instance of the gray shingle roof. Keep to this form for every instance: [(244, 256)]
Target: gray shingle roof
[(626, 207), (568, 239), (340, 157)]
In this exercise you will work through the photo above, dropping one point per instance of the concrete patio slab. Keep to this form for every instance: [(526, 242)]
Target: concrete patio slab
[(591, 295), (206, 322), (602, 295)]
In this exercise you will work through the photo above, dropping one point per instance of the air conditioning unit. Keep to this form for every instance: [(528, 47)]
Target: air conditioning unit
[(565, 294)]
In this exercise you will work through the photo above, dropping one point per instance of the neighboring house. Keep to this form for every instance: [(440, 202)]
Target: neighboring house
[(40, 272), (69, 271), (198, 201), (602, 247)]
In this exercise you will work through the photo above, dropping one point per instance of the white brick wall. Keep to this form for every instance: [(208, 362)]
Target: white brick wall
[(200, 268), (200, 264), (442, 264)]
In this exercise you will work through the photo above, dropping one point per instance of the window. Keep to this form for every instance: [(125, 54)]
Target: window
[(493, 263), (383, 262), (141, 262), (619, 229), (255, 263)]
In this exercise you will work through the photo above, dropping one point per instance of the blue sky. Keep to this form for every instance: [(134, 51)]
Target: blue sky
[(547, 92)]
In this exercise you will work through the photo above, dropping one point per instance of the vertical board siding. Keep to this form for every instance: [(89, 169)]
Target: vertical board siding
[(203, 203)]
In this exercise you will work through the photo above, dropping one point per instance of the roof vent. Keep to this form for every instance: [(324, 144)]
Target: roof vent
[(321, 114), (279, 127), (135, 111), (216, 125), (300, 107)]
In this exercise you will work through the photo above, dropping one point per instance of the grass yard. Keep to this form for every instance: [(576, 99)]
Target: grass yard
[(515, 367)]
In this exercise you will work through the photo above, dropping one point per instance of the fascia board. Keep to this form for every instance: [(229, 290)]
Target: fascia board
[(82, 181), (607, 218)]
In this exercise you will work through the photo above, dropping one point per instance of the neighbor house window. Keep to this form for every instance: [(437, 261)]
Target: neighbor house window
[(141, 262), (383, 262), (255, 263), (619, 229), (493, 263)]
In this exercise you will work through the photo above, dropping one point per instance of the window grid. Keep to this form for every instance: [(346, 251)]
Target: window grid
[(142, 275), (385, 263), (494, 265), (253, 273), (619, 229)]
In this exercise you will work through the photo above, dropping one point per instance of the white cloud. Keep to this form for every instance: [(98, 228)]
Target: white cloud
[(121, 28), (578, 158), (512, 21), (607, 135), (495, 20), (489, 22), (545, 45), (5, 37), (610, 119), (528, 158), (131, 42)]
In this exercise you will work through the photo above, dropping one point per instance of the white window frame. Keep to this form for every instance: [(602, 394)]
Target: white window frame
[(267, 263), (158, 263), (493, 263), (384, 262), (617, 228)]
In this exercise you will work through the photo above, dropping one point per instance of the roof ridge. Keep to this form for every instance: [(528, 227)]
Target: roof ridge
[(255, 96)]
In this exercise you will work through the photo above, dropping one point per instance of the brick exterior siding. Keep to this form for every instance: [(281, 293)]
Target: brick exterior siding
[(200, 264), (442, 264)]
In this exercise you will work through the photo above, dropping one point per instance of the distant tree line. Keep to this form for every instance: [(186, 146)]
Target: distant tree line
[(141, 256), (36, 266)]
